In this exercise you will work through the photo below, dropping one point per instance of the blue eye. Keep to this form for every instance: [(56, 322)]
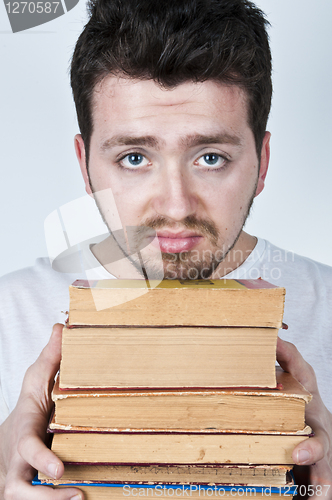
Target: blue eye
[(133, 160), (212, 161)]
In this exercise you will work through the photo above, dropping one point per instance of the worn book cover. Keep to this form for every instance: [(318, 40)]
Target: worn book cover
[(279, 410), (254, 303)]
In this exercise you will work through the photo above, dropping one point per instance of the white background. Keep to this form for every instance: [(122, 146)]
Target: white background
[(39, 171)]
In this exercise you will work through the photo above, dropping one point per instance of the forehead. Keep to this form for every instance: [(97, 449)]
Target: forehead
[(125, 102)]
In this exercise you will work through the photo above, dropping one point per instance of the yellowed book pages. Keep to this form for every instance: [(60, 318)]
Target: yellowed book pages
[(264, 410), (168, 357), (258, 475), (169, 448), (254, 303)]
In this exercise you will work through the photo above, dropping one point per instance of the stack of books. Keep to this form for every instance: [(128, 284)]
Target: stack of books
[(171, 389)]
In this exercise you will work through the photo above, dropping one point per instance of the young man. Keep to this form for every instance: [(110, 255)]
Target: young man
[(172, 106)]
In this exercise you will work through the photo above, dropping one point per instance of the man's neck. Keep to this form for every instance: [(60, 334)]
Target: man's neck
[(236, 256), (121, 267)]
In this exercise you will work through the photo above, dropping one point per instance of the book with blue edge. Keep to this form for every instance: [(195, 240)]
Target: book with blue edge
[(225, 474), (115, 491)]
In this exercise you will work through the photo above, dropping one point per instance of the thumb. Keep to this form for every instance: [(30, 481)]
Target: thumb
[(313, 449), (292, 362), (47, 364)]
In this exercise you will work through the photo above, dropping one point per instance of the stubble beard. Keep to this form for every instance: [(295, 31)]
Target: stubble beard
[(183, 265), (194, 264)]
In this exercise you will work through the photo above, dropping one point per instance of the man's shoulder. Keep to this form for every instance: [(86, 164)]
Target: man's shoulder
[(40, 274), (41, 266), (38, 284), (287, 265), (32, 300)]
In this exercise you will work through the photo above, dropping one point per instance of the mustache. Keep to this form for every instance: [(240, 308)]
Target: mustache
[(205, 227)]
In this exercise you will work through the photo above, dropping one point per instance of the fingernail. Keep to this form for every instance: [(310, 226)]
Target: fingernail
[(53, 470), (76, 497), (303, 456)]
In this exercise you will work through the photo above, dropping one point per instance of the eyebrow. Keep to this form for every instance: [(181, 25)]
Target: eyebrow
[(189, 141), (127, 140)]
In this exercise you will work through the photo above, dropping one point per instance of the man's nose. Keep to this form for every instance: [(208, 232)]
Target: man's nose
[(176, 198)]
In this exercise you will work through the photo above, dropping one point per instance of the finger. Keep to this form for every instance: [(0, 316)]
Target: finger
[(292, 362), (39, 377), (18, 485), (35, 404), (313, 449), (18, 489), (49, 359), (34, 452), (50, 356)]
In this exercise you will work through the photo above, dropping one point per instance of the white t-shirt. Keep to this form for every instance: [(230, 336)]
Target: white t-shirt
[(35, 298)]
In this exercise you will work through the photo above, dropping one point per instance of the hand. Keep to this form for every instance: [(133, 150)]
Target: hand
[(23, 434), (315, 452)]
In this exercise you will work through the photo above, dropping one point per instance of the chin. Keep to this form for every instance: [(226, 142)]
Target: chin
[(180, 266)]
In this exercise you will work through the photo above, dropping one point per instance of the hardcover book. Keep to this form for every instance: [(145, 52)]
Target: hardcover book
[(168, 357), (250, 475), (111, 491), (175, 448), (250, 303), (275, 410)]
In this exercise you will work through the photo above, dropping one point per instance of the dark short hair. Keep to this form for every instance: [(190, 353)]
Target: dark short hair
[(171, 42)]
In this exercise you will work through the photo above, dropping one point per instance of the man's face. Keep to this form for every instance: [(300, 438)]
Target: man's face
[(182, 162)]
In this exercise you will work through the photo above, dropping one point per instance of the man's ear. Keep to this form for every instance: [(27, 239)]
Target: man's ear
[(80, 153), (265, 158)]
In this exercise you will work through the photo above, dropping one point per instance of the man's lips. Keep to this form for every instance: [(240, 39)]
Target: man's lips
[(176, 242)]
